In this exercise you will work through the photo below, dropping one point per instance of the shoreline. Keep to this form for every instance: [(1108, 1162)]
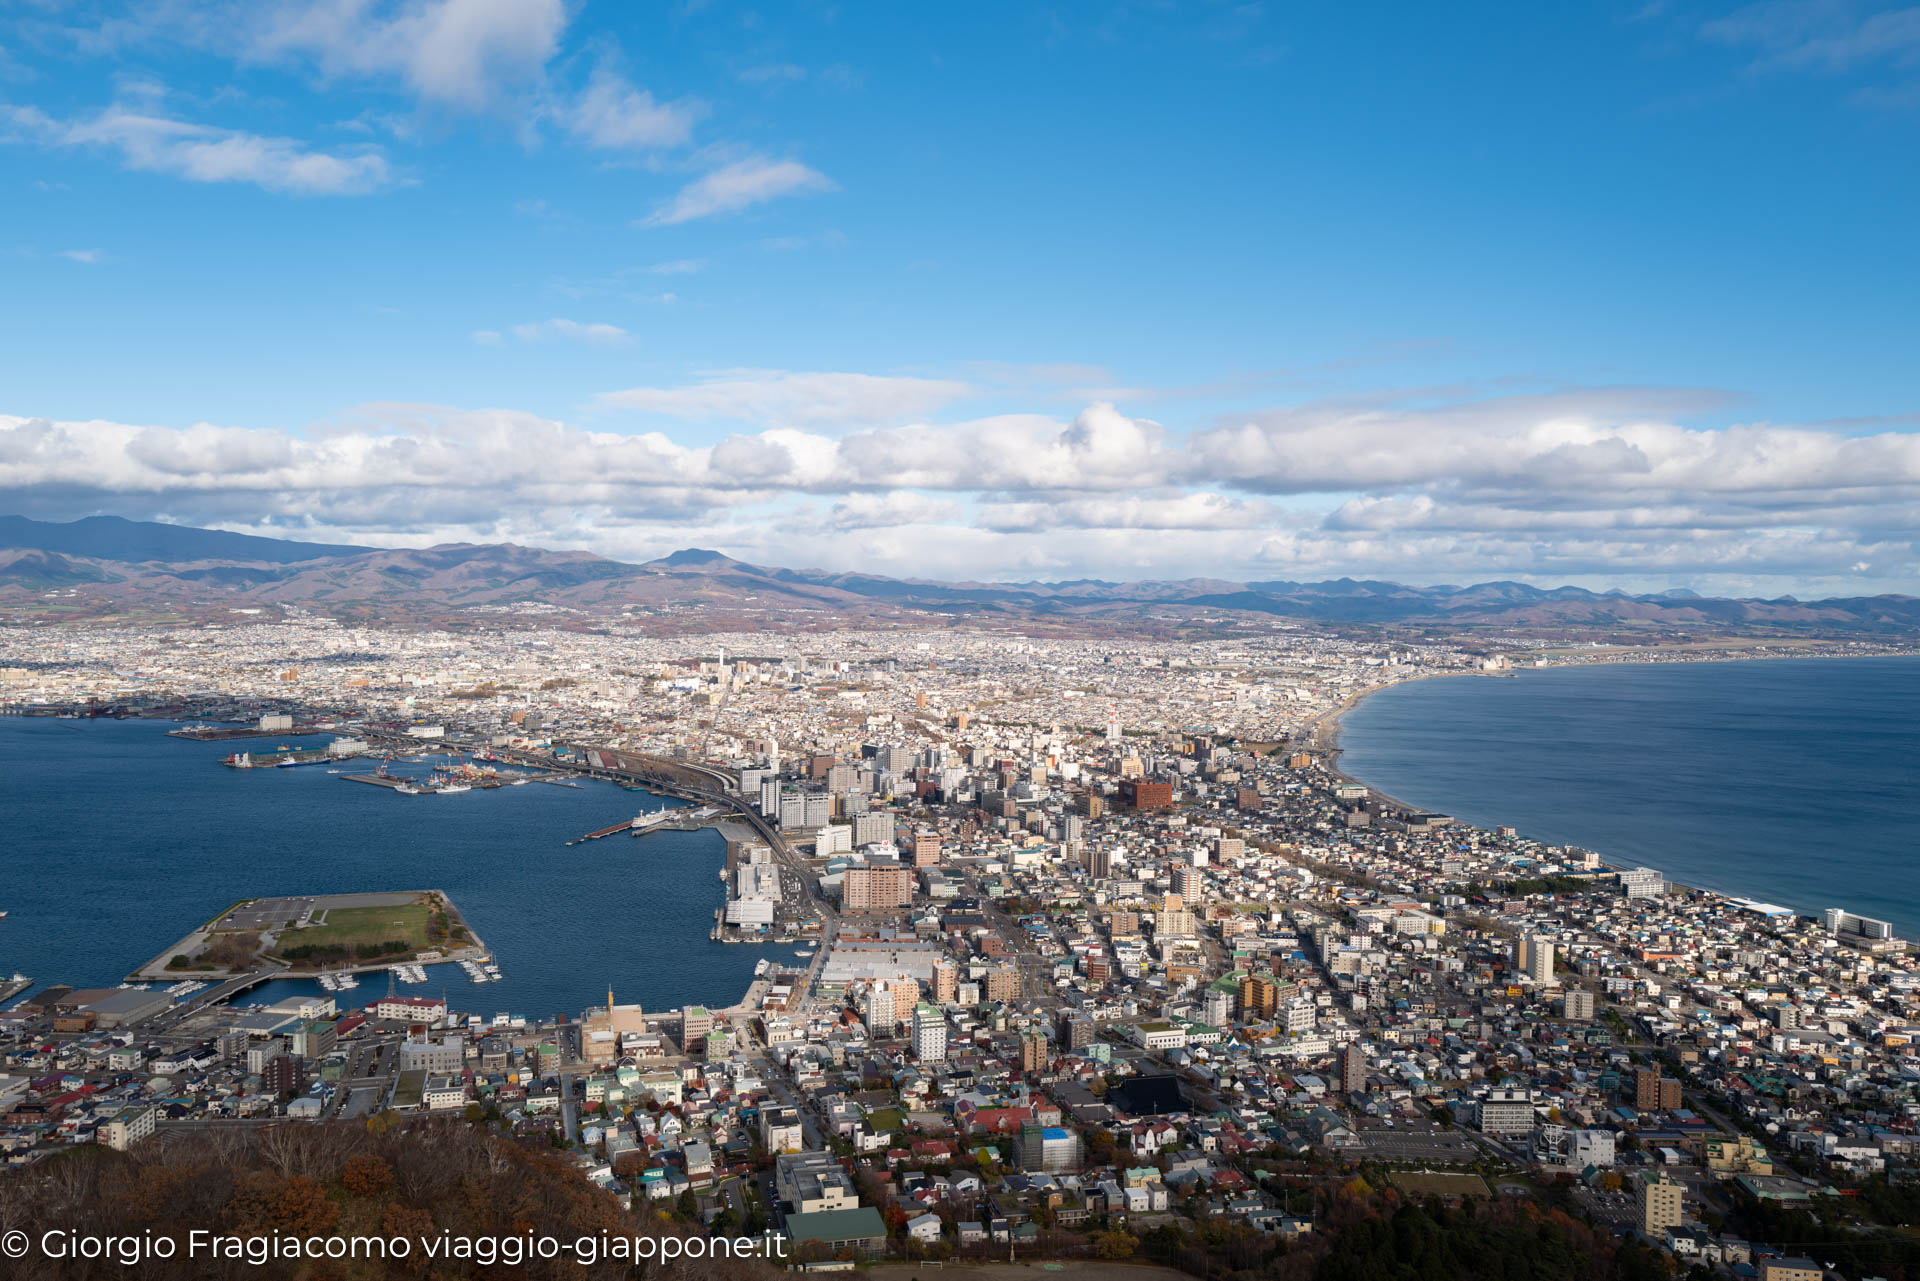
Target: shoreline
[(1323, 740), (152, 970)]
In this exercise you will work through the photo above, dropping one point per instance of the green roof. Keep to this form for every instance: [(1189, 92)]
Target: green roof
[(833, 1226)]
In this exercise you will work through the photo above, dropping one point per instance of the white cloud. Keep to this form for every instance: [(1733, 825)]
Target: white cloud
[(677, 267), (456, 53), (1596, 486), (487, 337), (772, 397), (1822, 35), (737, 186), (595, 335), (203, 153), (88, 256), (613, 115)]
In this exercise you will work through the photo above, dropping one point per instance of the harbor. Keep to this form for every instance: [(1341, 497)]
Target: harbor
[(323, 837)]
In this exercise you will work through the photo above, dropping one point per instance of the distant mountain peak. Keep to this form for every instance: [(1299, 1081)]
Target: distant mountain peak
[(695, 556)]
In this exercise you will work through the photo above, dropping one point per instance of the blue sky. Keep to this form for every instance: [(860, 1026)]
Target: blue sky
[(1616, 294)]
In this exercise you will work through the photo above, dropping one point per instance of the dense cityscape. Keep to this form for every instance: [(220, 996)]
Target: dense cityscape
[(1100, 957)]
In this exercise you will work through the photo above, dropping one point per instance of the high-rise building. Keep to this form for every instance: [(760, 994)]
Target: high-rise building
[(1661, 1205), (926, 849), (1099, 862), (1577, 1005), (879, 1011), (946, 982), (1536, 959), (876, 889), (1653, 1092), (1259, 997), (1353, 1070), (1003, 983), (1033, 1052), (1186, 883), (1077, 1031), (929, 1034)]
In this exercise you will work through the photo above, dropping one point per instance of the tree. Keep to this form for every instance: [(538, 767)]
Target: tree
[(366, 1175)]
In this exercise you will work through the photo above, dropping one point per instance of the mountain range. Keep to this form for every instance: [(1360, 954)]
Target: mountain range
[(108, 565)]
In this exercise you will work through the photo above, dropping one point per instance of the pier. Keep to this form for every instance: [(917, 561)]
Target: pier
[(282, 758), (379, 780), (10, 988), (674, 820), (221, 733), (615, 830)]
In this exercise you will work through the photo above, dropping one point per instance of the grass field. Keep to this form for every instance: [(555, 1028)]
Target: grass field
[(349, 928)]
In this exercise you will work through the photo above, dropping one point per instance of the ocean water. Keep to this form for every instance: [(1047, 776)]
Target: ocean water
[(1796, 781), (116, 841)]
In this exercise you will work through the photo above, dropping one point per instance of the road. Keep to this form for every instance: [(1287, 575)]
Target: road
[(1036, 971)]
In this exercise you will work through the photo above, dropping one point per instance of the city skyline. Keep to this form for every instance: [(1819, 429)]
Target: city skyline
[(1612, 299)]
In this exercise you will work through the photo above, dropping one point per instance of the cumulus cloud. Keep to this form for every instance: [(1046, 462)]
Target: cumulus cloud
[(1602, 486), (203, 153), (736, 186)]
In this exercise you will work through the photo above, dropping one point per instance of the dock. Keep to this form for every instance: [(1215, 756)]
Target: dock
[(220, 734), (615, 830), (281, 758), (379, 780), (10, 988), (669, 820)]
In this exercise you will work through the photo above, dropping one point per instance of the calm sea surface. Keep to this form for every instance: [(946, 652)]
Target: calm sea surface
[(116, 840), (1796, 781)]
